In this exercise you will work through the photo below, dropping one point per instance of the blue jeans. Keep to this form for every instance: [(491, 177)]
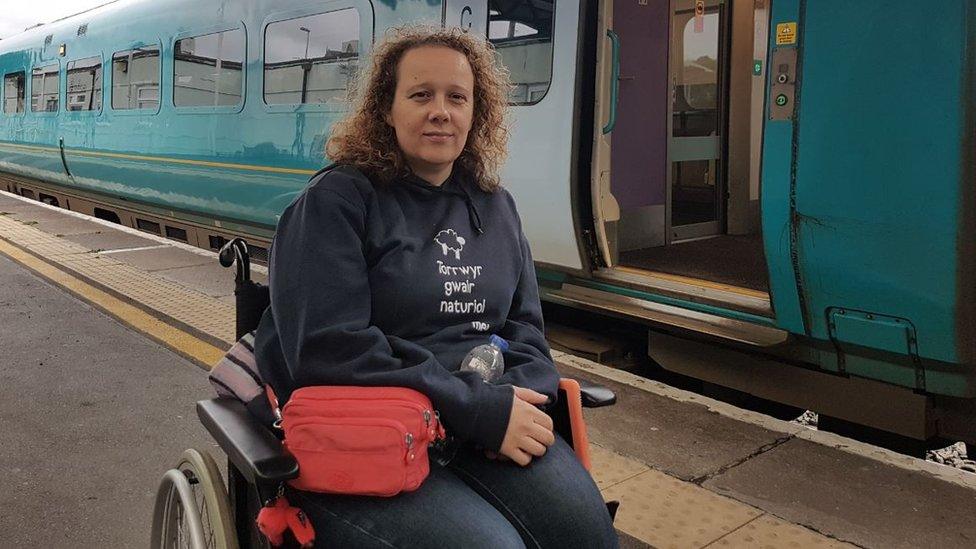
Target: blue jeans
[(473, 502)]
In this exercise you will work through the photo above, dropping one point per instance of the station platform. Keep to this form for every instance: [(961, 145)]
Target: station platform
[(97, 385)]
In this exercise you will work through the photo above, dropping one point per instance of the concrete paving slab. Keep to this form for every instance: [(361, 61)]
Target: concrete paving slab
[(669, 513), (211, 278), (853, 498), (107, 239), (10, 204), (93, 414), (64, 226), (161, 258), (34, 214), (686, 441), (768, 532), (610, 468)]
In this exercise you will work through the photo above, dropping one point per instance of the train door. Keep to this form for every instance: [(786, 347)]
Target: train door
[(677, 147), (538, 42)]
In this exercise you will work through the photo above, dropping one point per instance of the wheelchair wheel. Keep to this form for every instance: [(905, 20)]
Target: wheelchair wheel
[(191, 507), (176, 519)]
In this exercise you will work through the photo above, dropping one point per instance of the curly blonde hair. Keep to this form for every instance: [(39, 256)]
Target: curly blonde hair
[(363, 138)]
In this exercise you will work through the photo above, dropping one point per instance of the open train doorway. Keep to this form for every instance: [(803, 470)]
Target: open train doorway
[(676, 173)]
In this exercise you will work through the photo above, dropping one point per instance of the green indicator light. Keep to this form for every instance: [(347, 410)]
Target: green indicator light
[(782, 100), (757, 67)]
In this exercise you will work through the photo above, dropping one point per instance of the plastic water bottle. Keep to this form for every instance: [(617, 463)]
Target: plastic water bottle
[(487, 359)]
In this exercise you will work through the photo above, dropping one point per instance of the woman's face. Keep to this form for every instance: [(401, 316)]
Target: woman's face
[(432, 109)]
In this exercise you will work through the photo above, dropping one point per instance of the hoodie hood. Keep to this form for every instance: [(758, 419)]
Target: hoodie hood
[(456, 184)]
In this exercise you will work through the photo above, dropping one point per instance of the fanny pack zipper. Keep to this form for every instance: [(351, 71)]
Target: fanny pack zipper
[(429, 416)]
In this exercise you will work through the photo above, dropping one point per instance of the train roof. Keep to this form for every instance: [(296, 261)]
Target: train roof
[(132, 23), (60, 27)]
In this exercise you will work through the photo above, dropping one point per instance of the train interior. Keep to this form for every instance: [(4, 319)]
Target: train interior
[(684, 154)]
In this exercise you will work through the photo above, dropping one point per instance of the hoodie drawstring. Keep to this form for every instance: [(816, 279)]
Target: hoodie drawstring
[(472, 211)]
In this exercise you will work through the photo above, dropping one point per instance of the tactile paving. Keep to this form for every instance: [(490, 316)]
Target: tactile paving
[(768, 532), (670, 513), (170, 299), (610, 468)]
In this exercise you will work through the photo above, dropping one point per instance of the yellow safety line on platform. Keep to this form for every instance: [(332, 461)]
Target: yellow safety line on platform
[(249, 167), (696, 282), (183, 343)]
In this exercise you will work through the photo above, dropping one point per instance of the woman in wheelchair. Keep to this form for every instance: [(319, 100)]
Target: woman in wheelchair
[(389, 268)]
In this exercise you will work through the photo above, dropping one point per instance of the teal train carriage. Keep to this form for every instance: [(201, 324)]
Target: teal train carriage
[(781, 191)]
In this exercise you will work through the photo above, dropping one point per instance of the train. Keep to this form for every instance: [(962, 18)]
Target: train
[(780, 192)]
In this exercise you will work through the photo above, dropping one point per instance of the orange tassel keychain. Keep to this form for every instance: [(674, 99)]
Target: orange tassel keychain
[(278, 517)]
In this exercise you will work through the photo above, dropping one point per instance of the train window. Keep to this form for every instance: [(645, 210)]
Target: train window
[(521, 31), (311, 59), (135, 79), (148, 226), (208, 70), (45, 88), (85, 84), (697, 77), (14, 86), (176, 233)]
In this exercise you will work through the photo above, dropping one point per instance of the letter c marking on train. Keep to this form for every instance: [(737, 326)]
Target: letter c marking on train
[(466, 13)]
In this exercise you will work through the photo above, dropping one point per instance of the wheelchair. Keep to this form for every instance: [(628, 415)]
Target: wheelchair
[(195, 509)]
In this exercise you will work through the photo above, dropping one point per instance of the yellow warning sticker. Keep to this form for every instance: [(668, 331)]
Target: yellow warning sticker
[(785, 34)]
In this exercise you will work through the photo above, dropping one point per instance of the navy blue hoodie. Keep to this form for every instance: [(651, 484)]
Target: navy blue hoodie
[(391, 285)]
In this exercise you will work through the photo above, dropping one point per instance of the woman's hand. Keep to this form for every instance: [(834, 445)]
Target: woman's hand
[(529, 429)]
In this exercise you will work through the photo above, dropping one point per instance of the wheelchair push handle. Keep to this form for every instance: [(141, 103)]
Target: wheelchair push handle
[(236, 251)]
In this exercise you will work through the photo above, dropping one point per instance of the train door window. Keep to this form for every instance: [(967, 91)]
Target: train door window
[(209, 70), (45, 88), (135, 79), (521, 32), (311, 59), (85, 85), (14, 87)]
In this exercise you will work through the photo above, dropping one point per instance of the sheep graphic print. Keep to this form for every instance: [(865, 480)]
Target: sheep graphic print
[(459, 280), (450, 242)]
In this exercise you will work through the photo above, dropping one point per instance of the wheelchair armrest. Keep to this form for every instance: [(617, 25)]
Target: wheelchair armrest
[(251, 447), (594, 395)]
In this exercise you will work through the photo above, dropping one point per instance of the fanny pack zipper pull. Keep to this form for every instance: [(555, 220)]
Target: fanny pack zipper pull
[(431, 431), (441, 433), (410, 454), (278, 419)]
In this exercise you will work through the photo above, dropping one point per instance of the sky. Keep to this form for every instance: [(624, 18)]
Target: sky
[(17, 15)]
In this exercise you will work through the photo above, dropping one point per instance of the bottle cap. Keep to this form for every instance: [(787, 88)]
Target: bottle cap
[(498, 342)]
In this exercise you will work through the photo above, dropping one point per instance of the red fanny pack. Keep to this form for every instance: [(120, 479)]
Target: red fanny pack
[(369, 441)]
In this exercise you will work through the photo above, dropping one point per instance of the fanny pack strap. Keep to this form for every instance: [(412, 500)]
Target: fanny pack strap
[(275, 409)]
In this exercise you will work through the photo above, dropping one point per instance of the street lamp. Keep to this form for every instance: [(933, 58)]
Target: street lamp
[(306, 65), (308, 34)]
